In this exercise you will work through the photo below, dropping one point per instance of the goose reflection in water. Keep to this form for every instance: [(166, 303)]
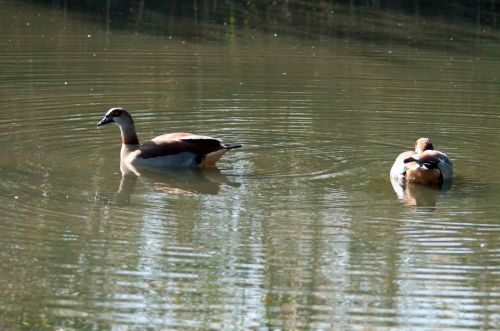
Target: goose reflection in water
[(419, 195), (177, 181)]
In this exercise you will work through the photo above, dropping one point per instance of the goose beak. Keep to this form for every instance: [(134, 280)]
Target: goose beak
[(105, 120)]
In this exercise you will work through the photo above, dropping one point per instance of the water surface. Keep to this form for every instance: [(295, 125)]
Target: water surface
[(300, 229)]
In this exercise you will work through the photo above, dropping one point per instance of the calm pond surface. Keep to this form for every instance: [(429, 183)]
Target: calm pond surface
[(299, 229)]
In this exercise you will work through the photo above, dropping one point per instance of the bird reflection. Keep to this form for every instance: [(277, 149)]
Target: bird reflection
[(176, 181), (418, 195)]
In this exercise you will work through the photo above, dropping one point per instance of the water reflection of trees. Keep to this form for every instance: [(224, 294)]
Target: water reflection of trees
[(298, 16)]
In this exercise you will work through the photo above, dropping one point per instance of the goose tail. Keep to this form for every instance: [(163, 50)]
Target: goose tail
[(232, 146)]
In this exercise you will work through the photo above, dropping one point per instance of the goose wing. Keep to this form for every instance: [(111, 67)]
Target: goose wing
[(175, 143), (429, 156), (433, 159)]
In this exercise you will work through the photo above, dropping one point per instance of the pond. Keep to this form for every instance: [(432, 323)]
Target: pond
[(301, 228)]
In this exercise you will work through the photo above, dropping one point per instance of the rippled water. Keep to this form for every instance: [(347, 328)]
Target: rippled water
[(300, 229)]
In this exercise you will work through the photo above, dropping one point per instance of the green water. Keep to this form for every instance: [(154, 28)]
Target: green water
[(300, 229)]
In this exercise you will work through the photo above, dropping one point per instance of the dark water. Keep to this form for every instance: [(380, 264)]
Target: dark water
[(300, 229)]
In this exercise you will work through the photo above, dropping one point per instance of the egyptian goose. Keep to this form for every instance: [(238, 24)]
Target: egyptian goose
[(168, 150), (422, 166)]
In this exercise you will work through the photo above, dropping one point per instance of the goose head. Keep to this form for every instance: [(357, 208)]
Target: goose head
[(423, 144), (119, 116)]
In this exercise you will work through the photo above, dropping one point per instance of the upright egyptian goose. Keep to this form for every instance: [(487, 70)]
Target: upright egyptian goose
[(422, 166), (168, 150)]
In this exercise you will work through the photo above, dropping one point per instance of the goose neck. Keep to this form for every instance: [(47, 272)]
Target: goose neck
[(129, 136)]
